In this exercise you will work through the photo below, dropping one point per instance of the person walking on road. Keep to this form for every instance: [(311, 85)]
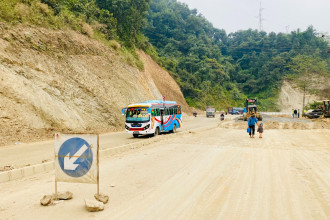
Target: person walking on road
[(295, 113), (252, 125), (298, 113), (292, 113)]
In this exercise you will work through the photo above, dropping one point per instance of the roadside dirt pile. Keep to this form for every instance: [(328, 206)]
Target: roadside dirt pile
[(273, 125), (313, 124), (53, 80)]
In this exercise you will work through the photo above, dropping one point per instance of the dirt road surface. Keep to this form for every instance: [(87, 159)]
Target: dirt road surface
[(36, 153), (215, 174)]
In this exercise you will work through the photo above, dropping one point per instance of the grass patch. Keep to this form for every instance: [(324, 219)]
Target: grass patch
[(132, 58), (34, 12)]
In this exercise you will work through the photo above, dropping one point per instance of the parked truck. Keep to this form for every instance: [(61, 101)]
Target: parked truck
[(230, 110), (210, 111), (238, 111)]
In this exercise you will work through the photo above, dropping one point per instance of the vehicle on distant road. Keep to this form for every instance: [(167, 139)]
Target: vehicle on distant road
[(152, 117), (210, 111), (230, 110), (222, 117), (237, 111)]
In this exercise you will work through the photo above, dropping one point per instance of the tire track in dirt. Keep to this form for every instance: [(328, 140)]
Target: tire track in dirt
[(215, 174), (182, 185), (315, 177)]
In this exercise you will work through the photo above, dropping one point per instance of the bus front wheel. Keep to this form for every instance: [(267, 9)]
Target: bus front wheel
[(135, 135), (156, 132)]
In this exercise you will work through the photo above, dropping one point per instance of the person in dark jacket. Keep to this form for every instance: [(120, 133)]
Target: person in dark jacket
[(252, 125), (295, 113), (260, 130)]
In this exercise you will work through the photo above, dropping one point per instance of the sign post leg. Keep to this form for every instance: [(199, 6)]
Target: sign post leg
[(98, 188), (98, 167), (55, 189)]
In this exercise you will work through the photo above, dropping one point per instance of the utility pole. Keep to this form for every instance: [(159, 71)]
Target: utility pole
[(287, 28), (260, 17), (303, 107)]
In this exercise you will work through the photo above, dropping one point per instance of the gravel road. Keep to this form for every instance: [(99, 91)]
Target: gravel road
[(26, 154), (214, 174)]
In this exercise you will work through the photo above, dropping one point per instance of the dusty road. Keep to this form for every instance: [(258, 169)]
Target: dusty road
[(36, 153), (215, 174)]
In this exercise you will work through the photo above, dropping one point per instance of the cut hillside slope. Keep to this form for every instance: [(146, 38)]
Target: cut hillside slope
[(292, 98), (163, 81), (64, 81)]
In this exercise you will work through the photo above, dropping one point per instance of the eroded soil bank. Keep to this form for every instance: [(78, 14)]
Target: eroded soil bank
[(54, 80)]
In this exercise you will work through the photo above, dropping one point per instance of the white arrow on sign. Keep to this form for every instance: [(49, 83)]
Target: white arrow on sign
[(69, 162)]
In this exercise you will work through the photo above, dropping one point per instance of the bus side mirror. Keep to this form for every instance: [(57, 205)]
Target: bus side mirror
[(123, 111)]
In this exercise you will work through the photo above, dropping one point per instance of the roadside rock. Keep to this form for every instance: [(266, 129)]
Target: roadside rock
[(64, 196), (102, 198), (93, 206), (46, 200), (7, 168)]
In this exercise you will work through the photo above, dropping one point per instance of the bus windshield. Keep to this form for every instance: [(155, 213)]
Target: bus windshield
[(137, 114)]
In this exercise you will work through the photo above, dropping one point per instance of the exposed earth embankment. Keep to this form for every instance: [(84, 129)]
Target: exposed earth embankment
[(291, 97), (65, 81)]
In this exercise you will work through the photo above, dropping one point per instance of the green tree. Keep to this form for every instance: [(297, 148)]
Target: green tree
[(130, 16), (305, 68), (195, 52)]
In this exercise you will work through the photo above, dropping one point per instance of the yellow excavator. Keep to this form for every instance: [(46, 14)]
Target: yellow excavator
[(251, 108)]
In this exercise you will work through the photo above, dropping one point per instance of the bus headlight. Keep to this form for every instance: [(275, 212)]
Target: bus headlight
[(126, 127), (146, 127)]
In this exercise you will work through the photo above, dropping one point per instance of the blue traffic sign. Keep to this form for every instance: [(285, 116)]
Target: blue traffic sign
[(75, 157)]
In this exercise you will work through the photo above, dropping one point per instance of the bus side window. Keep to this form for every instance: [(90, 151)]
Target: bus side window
[(166, 111), (153, 112), (179, 110), (171, 111)]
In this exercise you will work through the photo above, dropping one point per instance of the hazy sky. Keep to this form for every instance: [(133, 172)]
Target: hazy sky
[(278, 15)]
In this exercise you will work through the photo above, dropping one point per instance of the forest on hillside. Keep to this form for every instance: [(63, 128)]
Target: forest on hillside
[(211, 66)]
